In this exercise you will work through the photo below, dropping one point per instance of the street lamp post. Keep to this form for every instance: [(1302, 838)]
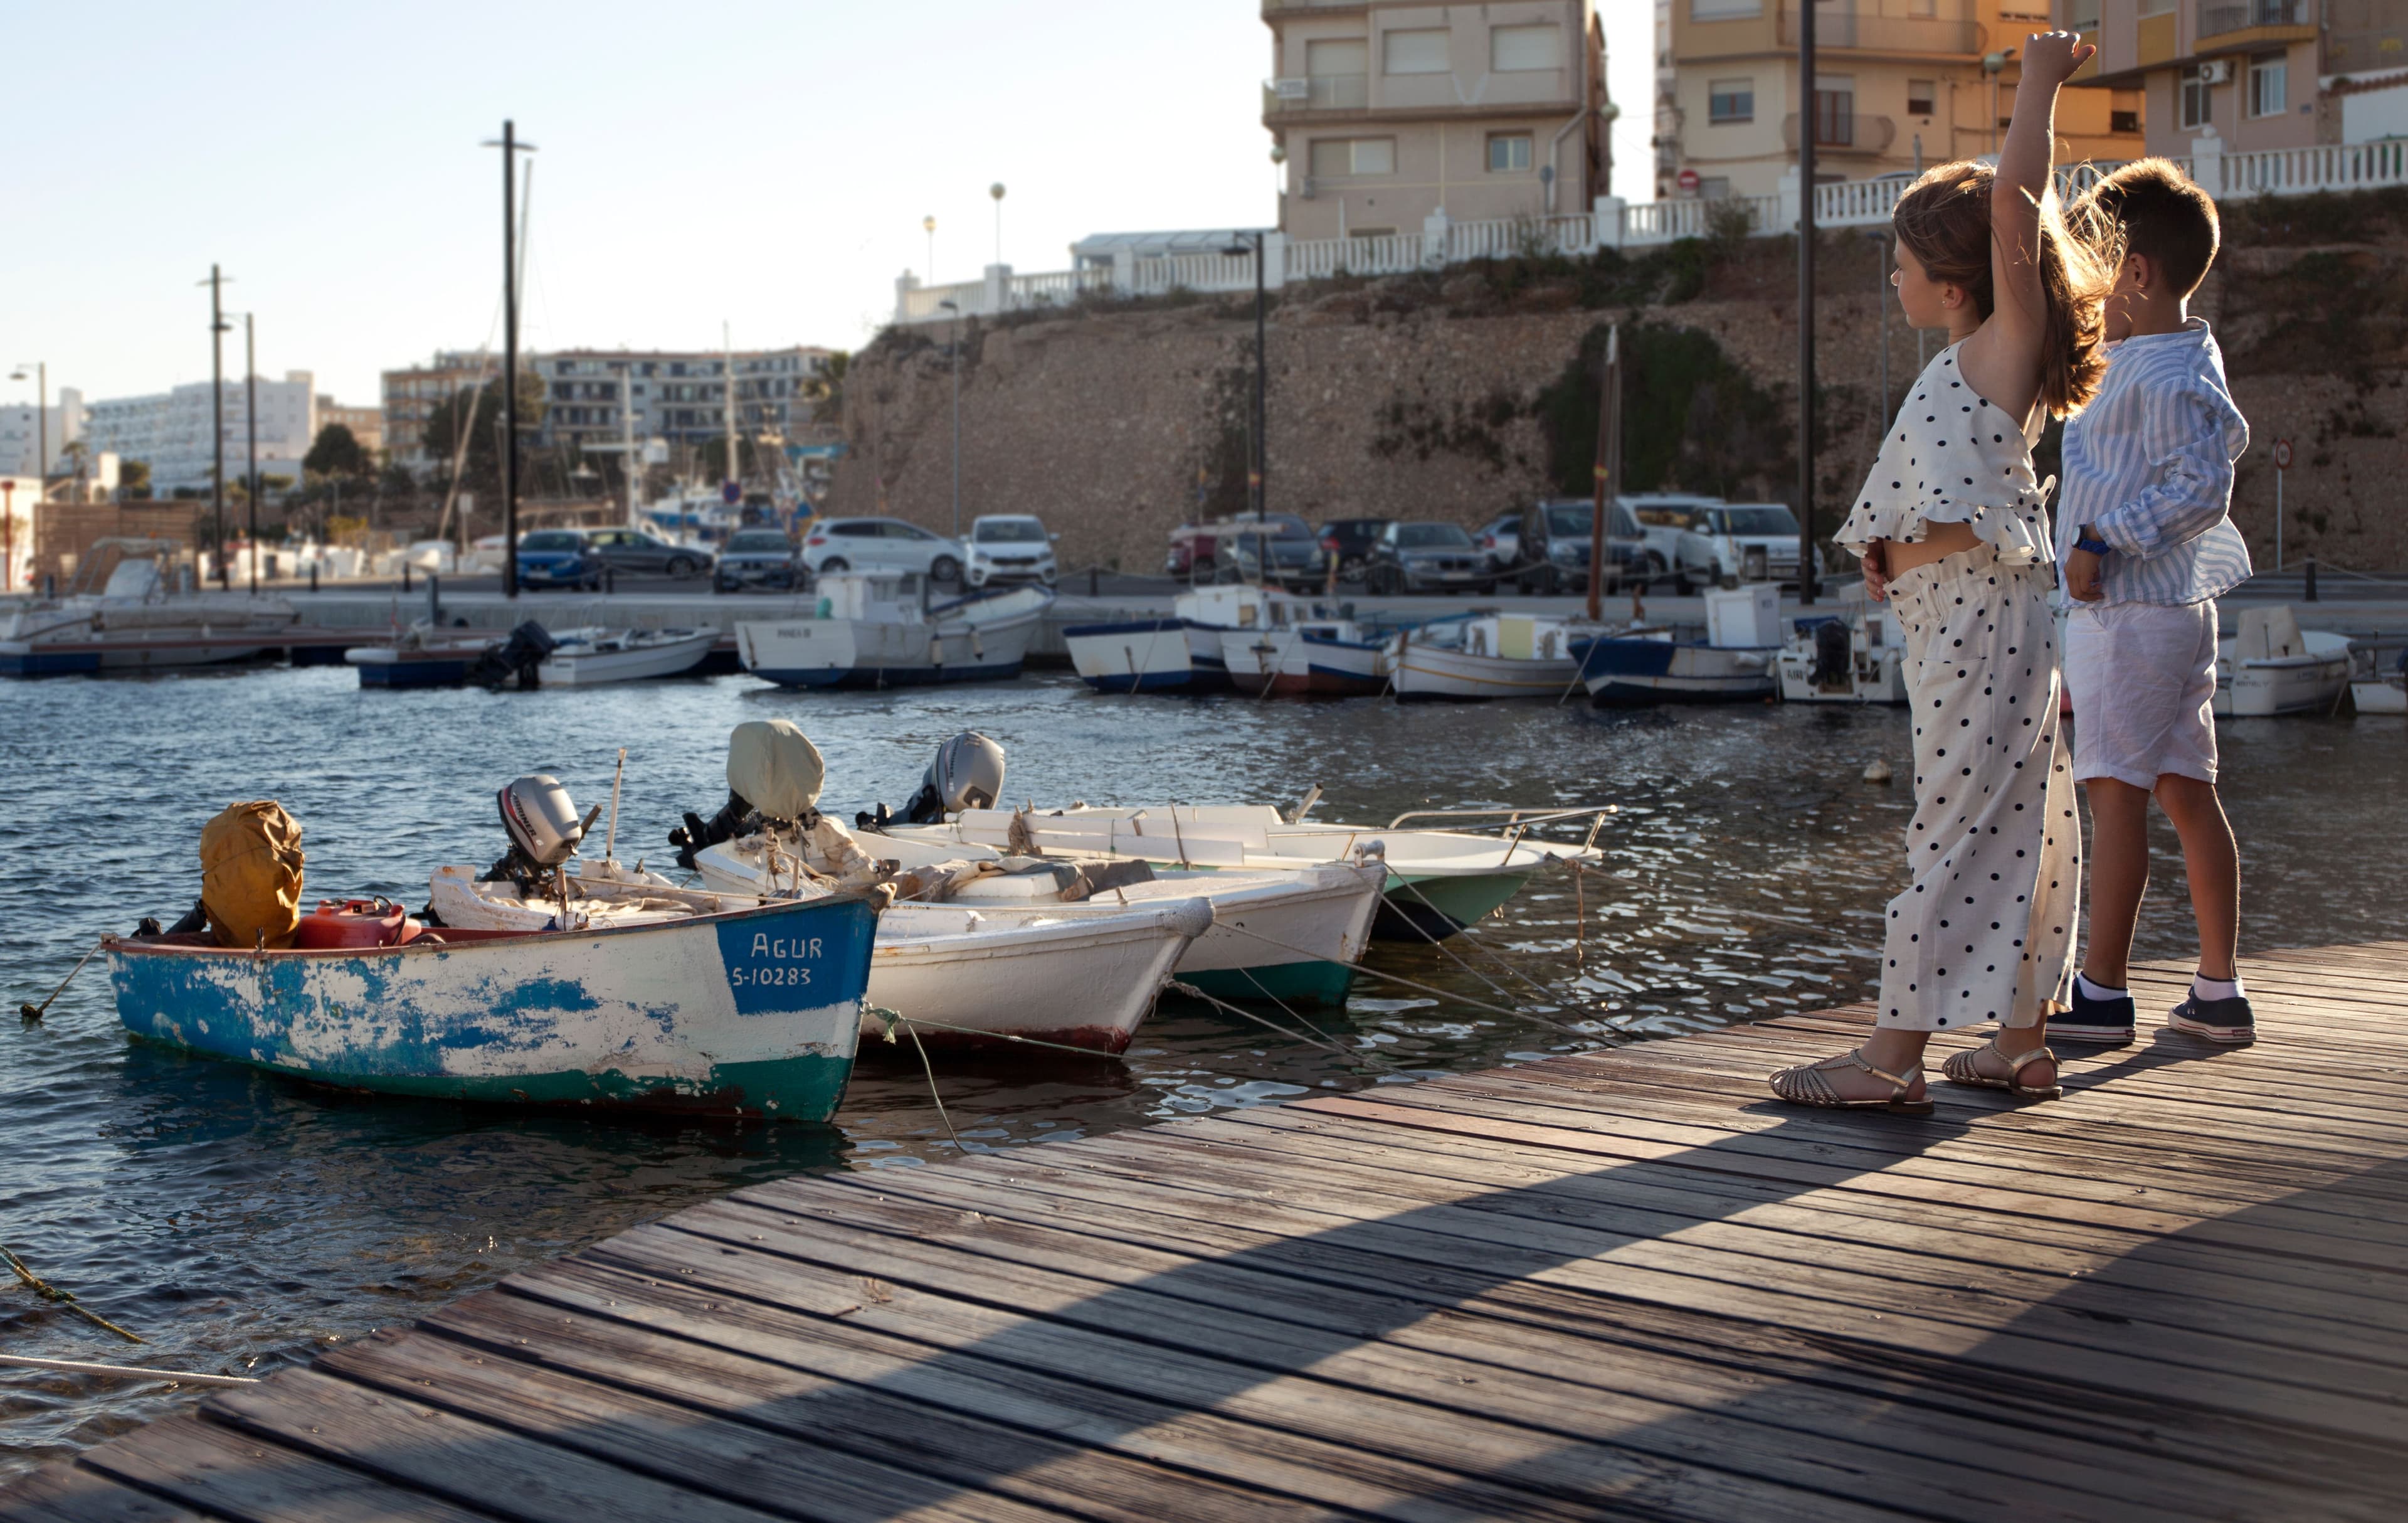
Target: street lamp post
[(251, 431), (217, 420), (954, 345), (996, 190), (1256, 490), (512, 147), (40, 375), (928, 225)]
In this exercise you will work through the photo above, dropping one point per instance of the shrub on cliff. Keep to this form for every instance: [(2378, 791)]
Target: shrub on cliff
[(1692, 419)]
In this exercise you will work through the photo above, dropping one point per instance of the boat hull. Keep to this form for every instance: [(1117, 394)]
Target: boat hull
[(572, 667), (1148, 655), (1421, 908), (863, 653), (1076, 981), (2379, 695), (1435, 671), (382, 666), (1641, 672), (2260, 689), (753, 1013), (145, 650)]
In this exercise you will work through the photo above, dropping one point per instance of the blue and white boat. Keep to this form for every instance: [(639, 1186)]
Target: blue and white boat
[(1739, 658), (754, 1012), (875, 629)]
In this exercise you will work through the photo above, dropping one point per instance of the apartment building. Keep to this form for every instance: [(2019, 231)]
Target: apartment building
[(1898, 83), (411, 394), (365, 424), (171, 431), (1385, 112), (2256, 73), (679, 395), (22, 452)]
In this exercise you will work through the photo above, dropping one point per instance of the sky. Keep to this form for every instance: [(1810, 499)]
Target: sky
[(765, 166)]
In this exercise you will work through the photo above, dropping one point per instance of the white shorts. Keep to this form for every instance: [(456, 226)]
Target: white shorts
[(2142, 676)]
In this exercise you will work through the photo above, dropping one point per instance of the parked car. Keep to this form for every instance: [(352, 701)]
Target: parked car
[(635, 552), (1554, 547), (1351, 540), (1275, 549), (758, 558), (1725, 544), (1193, 547), (1427, 557), (556, 558), (1011, 547), (1663, 518), (1500, 540), (859, 544)]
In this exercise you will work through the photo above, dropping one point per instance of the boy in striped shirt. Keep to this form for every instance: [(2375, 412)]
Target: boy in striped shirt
[(2147, 544)]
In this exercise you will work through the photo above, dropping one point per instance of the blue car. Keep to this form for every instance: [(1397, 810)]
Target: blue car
[(557, 558)]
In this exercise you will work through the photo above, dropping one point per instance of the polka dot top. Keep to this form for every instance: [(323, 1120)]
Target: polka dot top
[(1953, 458)]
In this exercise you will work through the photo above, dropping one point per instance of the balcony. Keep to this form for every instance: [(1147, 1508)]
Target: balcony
[(1847, 29), (2236, 26), (1842, 134), (1298, 95)]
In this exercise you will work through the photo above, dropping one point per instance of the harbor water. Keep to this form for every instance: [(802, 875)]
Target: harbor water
[(241, 1222)]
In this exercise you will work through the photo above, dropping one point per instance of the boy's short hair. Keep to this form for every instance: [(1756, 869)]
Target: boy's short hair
[(2161, 215)]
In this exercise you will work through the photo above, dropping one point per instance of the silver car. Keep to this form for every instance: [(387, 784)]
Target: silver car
[(885, 544)]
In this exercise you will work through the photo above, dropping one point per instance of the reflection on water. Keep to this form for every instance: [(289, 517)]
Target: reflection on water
[(242, 1222)]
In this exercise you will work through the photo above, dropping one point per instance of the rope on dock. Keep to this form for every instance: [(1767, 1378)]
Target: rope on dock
[(1523, 1015), (1314, 1038), (82, 1367), (52, 1294)]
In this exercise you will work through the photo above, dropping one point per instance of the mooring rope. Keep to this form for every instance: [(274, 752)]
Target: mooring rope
[(123, 1371), (31, 1011), (52, 1294), (1328, 1044), (1438, 942)]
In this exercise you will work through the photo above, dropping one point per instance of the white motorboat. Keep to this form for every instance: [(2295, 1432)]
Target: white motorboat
[(1292, 935), (590, 656), (1490, 656), (129, 609), (2270, 666), (1857, 657), (2371, 690), (1184, 653), (1331, 657), (875, 629), (1438, 880)]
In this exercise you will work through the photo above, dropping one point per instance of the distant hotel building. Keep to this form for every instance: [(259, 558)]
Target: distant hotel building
[(169, 431), (20, 452), (1389, 112), (365, 424), (413, 394)]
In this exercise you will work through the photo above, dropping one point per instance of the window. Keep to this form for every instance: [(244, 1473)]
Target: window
[(1511, 48), (2196, 103), (1835, 110), (1336, 157), (1920, 96), (1323, 59), (1418, 52), (1508, 154), (2124, 110), (1714, 188), (1724, 10), (1731, 100), (2082, 15), (2266, 82)]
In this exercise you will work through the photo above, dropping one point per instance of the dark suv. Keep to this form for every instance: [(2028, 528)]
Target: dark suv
[(1276, 549), (1554, 547), (1351, 540), (1427, 557), (757, 558)]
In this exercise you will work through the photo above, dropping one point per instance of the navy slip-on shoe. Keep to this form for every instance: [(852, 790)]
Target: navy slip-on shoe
[(2099, 1023), (2227, 1021)]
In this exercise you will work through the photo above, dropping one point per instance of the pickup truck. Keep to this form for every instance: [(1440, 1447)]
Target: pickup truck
[(1705, 539)]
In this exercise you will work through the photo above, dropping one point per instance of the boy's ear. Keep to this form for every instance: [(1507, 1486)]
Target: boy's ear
[(2145, 272)]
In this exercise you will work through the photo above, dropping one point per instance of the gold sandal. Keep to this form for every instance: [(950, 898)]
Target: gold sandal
[(1960, 1069), (1806, 1085)]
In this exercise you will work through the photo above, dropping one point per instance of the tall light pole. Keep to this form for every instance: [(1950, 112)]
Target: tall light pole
[(217, 418), (512, 147), (251, 431), (1256, 493), (38, 371), (996, 190), (955, 346), (928, 225), (1807, 122)]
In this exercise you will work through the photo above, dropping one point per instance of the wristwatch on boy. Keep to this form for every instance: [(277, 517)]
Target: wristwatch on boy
[(2085, 539)]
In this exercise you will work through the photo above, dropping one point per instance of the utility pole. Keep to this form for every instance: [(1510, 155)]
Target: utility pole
[(512, 147), (1608, 465), (251, 431), (217, 418), (1808, 119), (953, 350)]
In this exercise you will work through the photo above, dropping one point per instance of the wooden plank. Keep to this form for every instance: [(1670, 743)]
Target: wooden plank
[(232, 1475), (68, 1493)]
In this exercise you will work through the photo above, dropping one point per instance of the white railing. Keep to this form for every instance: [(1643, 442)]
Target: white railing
[(1441, 241)]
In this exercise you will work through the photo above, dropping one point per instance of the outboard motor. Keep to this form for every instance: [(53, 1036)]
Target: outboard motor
[(544, 831), (698, 833), (517, 656), (1834, 660), (968, 773)]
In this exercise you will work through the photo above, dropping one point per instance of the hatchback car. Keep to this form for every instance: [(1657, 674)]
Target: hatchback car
[(1276, 549), (1427, 557), (557, 558), (882, 544), (1351, 540), (757, 558), (637, 553), (1500, 540), (1009, 547)]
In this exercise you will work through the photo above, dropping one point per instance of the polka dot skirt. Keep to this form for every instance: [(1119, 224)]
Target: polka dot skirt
[(1985, 931)]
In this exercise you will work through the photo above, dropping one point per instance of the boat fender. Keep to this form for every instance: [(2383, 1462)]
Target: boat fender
[(1192, 918), (1372, 849)]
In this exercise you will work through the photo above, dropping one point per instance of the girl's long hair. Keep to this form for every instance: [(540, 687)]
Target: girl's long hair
[(1944, 220)]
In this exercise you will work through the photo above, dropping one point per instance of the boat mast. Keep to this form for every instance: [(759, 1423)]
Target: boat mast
[(727, 347)]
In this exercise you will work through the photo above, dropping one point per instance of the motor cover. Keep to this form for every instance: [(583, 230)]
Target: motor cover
[(773, 764), (542, 820)]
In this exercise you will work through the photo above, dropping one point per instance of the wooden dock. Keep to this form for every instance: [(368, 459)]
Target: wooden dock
[(1625, 1283)]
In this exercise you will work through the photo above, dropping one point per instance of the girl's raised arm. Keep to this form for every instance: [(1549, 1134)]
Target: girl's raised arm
[(2013, 336)]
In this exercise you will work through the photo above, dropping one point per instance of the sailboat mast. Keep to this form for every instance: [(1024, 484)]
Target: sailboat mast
[(727, 347)]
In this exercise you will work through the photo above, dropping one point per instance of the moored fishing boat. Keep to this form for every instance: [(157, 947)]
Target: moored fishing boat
[(423, 655), (1184, 653), (588, 657), (871, 631), (2270, 666), (1490, 656), (1846, 658), (125, 611)]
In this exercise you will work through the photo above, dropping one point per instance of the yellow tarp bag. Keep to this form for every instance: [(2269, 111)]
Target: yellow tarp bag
[(251, 874)]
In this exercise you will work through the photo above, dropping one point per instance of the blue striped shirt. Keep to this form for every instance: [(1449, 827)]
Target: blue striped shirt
[(2148, 466)]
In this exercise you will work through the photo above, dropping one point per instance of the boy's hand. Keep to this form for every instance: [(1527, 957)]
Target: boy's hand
[(2082, 568), (1876, 570), (2050, 58)]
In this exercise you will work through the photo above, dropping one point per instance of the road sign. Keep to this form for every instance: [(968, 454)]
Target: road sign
[(2282, 454), (730, 494), (1688, 181)]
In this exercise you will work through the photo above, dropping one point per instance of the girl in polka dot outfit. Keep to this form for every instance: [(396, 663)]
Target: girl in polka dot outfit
[(1953, 531)]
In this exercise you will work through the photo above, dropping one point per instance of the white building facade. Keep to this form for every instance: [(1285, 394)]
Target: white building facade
[(677, 395), (169, 431), (20, 452)]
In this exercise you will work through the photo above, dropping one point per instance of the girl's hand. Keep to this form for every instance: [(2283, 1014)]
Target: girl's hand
[(2050, 58), (1876, 570)]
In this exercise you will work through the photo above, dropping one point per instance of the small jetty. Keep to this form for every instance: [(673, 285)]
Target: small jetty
[(1615, 1284)]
